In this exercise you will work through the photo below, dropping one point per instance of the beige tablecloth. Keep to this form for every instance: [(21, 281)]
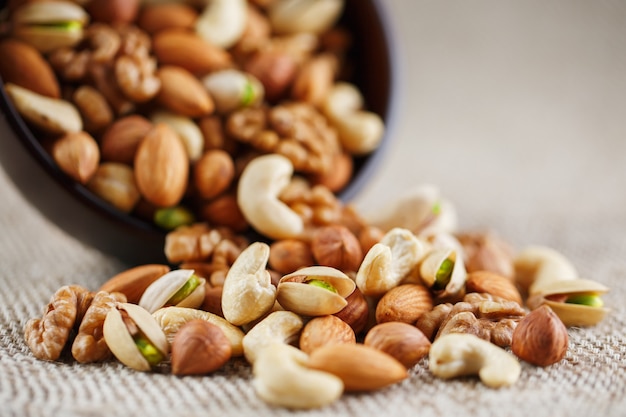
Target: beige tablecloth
[(516, 110)]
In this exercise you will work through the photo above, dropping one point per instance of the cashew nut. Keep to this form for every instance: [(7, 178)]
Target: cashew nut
[(248, 292), (222, 22), (186, 129), (460, 354), (260, 184), (360, 131), (389, 261), (314, 16), (278, 327), (282, 378), (537, 266), (422, 210)]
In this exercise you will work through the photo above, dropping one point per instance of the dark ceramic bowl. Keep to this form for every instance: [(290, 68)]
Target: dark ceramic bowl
[(85, 216)]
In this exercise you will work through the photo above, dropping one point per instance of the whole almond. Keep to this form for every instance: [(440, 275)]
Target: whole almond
[(325, 330), (113, 11), (186, 49), (405, 303), (403, 341), (78, 155), (22, 64), (162, 167), (120, 141), (182, 93), (494, 284), (213, 173), (134, 281), (199, 347), (360, 367), (157, 17)]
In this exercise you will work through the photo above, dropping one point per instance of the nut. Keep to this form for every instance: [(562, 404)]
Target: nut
[(113, 11), (277, 327), (161, 167), (540, 338), (115, 183), (93, 107), (487, 252), (223, 211), (289, 255), (232, 90), (258, 192), (494, 284), (325, 330), (536, 266), (134, 337), (403, 341), (360, 367), (199, 347), (390, 261), (458, 354), (443, 271), (405, 303), (336, 246), (157, 17), (248, 292), (275, 71), (282, 378), (188, 50), (311, 16), (54, 116), (171, 319), (120, 141), (213, 173), (77, 155), (182, 93), (314, 291), (134, 281), (186, 129), (222, 22), (23, 65), (357, 312), (180, 288)]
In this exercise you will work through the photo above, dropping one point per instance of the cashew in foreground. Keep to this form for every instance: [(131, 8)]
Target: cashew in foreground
[(360, 131), (389, 262), (248, 292), (260, 184), (538, 266), (460, 354), (282, 378), (222, 22), (277, 327)]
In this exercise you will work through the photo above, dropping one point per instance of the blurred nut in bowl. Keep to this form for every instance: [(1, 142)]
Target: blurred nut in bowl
[(23, 65), (115, 183)]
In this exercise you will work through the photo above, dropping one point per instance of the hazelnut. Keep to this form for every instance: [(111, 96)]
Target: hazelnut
[(356, 313), (199, 347), (325, 330), (336, 246), (540, 338), (289, 255), (405, 303)]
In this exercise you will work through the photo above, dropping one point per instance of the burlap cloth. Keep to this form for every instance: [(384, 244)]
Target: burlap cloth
[(516, 110)]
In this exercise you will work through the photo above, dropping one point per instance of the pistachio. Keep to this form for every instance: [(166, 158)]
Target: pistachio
[(134, 337), (315, 291), (443, 271), (180, 287), (170, 218)]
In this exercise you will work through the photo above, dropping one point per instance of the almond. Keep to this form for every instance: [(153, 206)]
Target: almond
[(22, 64), (120, 141), (157, 17), (360, 367), (405, 303), (113, 11), (162, 167), (134, 281), (213, 173), (186, 49), (183, 93), (494, 284), (77, 155)]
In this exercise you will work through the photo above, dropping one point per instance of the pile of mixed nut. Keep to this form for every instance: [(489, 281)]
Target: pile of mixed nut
[(237, 107)]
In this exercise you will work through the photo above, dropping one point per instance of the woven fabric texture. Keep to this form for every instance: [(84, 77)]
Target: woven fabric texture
[(516, 111)]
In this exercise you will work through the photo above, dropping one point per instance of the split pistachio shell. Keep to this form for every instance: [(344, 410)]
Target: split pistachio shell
[(52, 115), (171, 319), (296, 294), (161, 291), (50, 25), (537, 266), (389, 261), (232, 89), (248, 292), (121, 342), (571, 314), (432, 265)]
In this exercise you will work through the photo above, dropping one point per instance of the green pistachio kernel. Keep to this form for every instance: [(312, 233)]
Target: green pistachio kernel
[(322, 284), (436, 208), (591, 300), (443, 275), (248, 95), (170, 218), (67, 26), (148, 350), (191, 284)]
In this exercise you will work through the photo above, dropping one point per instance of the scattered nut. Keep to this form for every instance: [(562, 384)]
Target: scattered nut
[(403, 341), (325, 330), (198, 348), (540, 338)]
